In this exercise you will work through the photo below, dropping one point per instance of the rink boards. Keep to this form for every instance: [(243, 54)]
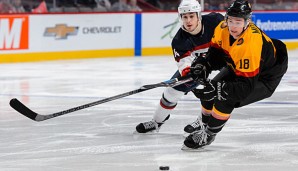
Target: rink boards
[(71, 36)]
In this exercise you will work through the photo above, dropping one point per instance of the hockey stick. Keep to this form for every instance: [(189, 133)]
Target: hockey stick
[(21, 108)]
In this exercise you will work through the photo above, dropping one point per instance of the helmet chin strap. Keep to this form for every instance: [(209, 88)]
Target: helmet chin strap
[(196, 30), (245, 27)]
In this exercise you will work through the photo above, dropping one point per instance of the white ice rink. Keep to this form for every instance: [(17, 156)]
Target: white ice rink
[(262, 136)]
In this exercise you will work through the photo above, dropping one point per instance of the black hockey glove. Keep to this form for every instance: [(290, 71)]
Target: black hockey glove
[(200, 69), (212, 90)]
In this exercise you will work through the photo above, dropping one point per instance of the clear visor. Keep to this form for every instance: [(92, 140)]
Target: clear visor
[(235, 22)]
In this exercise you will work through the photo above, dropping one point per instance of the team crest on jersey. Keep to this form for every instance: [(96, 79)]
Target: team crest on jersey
[(176, 54), (240, 41), (223, 25)]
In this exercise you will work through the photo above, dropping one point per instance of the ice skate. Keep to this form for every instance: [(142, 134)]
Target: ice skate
[(197, 125), (199, 139), (150, 126)]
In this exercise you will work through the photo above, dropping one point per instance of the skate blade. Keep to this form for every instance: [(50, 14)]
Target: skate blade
[(147, 133), (186, 134), (185, 148)]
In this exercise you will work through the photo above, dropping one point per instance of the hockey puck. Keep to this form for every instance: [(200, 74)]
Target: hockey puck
[(164, 167)]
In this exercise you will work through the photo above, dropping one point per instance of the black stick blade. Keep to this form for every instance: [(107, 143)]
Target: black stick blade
[(21, 108)]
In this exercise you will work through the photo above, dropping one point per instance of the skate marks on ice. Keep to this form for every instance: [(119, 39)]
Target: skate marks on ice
[(260, 136)]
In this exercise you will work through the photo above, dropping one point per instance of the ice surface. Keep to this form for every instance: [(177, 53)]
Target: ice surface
[(262, 136)]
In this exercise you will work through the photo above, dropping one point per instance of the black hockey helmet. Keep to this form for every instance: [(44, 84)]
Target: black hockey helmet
[(240, 8)]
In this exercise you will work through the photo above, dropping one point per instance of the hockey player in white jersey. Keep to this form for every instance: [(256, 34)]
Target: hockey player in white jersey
[(191, 40)]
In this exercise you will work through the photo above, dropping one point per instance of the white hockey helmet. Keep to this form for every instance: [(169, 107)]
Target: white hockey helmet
[(187, 6)]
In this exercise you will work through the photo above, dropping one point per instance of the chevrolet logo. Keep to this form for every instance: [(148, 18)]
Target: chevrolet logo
[(61, 31)]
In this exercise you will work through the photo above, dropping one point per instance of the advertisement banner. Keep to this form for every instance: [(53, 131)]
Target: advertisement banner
[(70, 32), (74, 36), (14, 32), (279, 25), (159, 29)]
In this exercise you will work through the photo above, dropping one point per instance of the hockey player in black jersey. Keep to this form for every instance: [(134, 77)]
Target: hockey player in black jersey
[(256, 65), (191, 40)]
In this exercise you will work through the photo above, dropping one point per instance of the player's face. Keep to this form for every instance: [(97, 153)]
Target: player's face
[(190, 21), (235, 25)]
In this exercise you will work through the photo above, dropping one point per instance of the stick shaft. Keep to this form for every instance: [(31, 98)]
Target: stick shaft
[(21, 108)]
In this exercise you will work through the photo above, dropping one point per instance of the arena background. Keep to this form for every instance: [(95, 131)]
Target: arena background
[(116, 52), (52, 36)]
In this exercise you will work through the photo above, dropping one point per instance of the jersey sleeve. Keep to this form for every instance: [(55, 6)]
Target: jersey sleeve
[(183, 58), (182, 52), (216, 55), (215, 58)]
